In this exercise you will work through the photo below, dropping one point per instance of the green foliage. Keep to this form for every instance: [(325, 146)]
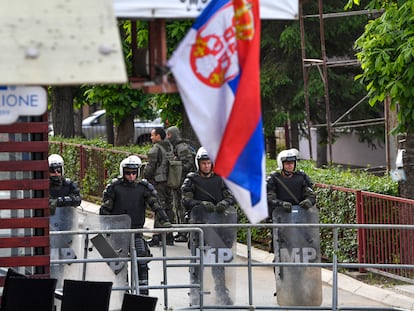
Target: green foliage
[(176, 30), (171, 107), (385, 51), (282, 76), (120, 101)]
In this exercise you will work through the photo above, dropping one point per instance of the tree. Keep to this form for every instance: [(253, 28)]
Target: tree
[(386, 53), (282, 78), (63, 110), (122, 104)]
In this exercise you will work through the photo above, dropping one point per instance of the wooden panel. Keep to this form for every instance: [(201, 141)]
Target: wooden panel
[(36, 203), (32, 232), (20, 261), (24, 127), (36, 241), (14, 223), (31, 146), (25, 184), (23, 166)]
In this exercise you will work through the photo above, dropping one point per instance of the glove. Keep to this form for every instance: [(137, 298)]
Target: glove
[(221, 206), (287, 206), (209, 206), (306, 204), (52, 206)]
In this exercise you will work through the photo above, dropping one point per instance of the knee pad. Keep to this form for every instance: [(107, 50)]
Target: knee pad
[(141, 247)]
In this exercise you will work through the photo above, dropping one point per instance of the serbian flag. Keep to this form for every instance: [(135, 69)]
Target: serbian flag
[(216, 68)]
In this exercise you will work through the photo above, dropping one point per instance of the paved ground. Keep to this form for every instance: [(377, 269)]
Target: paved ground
[(351, 292)]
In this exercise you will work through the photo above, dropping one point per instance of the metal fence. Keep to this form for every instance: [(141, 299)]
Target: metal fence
[(168, 284), (388, 245), (94, 165)]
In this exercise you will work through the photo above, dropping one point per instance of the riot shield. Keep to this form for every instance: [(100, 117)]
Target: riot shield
[(108, 245), (219, 282), (64, 246), (297, 286)]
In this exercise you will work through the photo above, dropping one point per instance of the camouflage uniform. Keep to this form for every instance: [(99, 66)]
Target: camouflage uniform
[(155, 172), (182, 152)]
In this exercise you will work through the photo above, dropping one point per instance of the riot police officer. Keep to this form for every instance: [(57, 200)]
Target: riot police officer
[(207, 199), (291, 200), (64, 196), (288, 186), (129, 195), (63, 192)]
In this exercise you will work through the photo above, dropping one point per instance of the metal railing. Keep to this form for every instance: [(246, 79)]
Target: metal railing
[(389, 245), (382, 247), (185, 261)]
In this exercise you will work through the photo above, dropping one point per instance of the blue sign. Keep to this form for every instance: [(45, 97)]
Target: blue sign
[(18, 101)]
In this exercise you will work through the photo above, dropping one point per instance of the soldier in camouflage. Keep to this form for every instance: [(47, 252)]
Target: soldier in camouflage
[(155, 172), (183, 153)]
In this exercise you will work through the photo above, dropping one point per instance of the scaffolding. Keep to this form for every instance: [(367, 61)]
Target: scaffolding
[(322, 66)]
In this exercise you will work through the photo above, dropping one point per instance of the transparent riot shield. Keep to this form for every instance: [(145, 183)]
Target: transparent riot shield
[(219, 282), (297, 286), (64, 246), (107, 245)]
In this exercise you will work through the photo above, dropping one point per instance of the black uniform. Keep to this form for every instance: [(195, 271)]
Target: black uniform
[(207, 199), (64, 192), (299, 185), (123, 197), (63, 195)]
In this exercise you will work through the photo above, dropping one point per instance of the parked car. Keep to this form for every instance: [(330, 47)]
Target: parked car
[(95, 126)]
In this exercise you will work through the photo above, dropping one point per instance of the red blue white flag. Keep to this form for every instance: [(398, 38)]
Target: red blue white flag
[(216, 68)]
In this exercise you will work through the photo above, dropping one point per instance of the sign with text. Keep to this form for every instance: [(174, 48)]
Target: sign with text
[(18, 101)]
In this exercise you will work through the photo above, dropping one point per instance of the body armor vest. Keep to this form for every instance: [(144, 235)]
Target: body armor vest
[(208, 189), (295, 184), (130, 199)]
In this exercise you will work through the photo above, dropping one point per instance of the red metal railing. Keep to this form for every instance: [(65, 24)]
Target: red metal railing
[(92, 165), (385, 246)]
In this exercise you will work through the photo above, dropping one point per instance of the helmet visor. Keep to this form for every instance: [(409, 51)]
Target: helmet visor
[(289, 159), (55, 169)]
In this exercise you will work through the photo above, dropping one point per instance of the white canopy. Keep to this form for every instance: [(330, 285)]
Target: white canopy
[(136, 9)]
